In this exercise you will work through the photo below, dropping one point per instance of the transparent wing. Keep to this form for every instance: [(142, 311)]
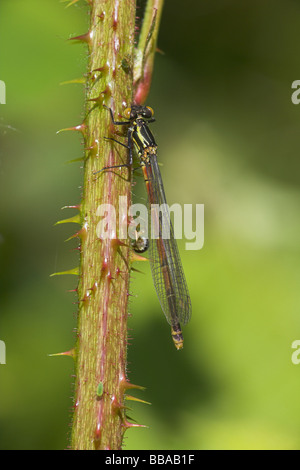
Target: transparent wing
[(166, 267)]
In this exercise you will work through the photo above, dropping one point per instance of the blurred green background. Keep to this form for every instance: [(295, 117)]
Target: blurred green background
[(229, 138)]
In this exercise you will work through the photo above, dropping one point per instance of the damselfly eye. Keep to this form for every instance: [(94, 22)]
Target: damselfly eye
[(150, 112), (127, 113)]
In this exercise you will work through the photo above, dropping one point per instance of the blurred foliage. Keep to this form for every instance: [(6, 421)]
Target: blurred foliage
[(228, 137)]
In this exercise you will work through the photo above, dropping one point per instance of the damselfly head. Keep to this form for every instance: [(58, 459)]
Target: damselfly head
[(137, 111)]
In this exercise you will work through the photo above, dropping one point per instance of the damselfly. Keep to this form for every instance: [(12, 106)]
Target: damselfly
[(166, 267)]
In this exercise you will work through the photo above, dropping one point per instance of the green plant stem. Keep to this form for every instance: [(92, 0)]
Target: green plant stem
[(99, 422)]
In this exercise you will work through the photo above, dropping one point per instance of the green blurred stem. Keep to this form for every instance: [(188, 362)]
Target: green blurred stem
[(146, 49)]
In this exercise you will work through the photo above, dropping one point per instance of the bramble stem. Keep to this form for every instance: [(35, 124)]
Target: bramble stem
[(104, 265)]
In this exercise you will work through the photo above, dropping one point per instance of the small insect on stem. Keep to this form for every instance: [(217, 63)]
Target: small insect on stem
[(99, 391)]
